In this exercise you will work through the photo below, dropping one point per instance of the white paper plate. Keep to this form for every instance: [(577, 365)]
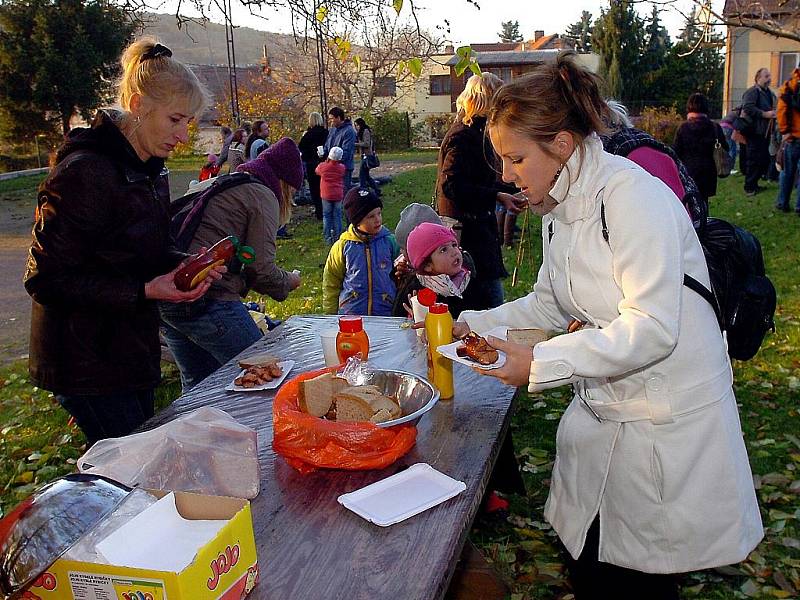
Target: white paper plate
[(285, 365), (449, 350), (402, 495)]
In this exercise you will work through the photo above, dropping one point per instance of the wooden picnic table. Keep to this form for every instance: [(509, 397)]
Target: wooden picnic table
[(309, 546)]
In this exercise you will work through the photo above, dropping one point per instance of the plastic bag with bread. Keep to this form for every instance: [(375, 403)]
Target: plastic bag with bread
[(308, 442)]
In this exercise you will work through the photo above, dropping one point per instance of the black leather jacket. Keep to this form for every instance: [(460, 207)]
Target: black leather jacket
[(466, 189), (101, 233)]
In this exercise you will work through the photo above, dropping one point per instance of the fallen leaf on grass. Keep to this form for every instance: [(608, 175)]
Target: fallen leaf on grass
[(508, 557), (750, 588), (792, 438), (791, 542), (779, 515), (693, 590), (783, 583), (730, 571), (24, 478), (777, 527)]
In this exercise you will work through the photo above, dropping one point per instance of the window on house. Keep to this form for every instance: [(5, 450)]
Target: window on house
[(440, 85), (385, 86), (789, 62), (503, 73)]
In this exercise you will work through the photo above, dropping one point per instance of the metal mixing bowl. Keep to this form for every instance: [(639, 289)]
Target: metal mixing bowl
[(415, 394)]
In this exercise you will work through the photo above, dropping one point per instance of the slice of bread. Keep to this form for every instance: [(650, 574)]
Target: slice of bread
[(527, 337), (381, 416), (350, 407), (315, 395), (258, 360), (373, 396)]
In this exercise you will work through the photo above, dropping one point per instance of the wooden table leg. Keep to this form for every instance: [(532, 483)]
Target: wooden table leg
[(475, 578)]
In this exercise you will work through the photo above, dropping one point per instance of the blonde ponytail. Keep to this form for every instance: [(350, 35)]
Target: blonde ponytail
[(148, 69)]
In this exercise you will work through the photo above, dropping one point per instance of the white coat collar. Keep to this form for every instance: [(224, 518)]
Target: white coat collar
[(576, 188)]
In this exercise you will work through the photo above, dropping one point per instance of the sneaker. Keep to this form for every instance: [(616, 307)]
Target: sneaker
[(734, 171), (750, 193), (782, 208)]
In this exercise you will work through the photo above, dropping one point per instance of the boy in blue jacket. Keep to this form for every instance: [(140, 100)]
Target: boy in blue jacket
[(357, 279)]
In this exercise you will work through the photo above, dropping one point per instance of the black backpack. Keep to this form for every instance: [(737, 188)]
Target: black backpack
[(186, 212), (742, 296)]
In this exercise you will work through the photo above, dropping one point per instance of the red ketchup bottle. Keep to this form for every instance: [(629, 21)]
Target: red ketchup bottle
[(196, 270), (351, 339)]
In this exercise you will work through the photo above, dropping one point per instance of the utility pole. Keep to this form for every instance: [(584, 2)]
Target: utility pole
[(231, 50), (323, 96)]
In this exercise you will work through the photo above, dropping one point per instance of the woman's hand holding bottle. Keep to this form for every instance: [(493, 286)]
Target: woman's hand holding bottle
[(163, 287)]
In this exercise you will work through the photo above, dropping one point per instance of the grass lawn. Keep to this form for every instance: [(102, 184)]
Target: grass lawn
[(36, 444)]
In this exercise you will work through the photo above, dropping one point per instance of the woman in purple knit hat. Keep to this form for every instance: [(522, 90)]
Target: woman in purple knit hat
[(207, 334)]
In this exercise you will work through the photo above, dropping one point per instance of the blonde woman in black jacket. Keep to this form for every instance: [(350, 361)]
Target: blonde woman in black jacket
[(468, 189), (101, 253)]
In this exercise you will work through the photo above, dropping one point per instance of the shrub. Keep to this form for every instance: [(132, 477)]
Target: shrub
[(661, 123), (439, 124), (391, 130), (19, 163)]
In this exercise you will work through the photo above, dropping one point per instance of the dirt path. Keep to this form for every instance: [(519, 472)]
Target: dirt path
[(16, 215)]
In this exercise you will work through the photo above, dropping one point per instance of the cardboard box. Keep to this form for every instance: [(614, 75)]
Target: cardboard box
[(224, 569)]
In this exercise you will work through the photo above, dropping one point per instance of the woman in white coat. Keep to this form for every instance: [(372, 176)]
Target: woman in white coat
[(651, 474)]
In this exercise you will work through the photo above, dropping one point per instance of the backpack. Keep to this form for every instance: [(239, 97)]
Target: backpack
[(186, 212), (742, 296)]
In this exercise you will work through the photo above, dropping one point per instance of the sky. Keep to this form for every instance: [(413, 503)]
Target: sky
[(471, 25)]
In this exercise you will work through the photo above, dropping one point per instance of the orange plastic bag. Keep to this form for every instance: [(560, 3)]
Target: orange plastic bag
[(308, 442)]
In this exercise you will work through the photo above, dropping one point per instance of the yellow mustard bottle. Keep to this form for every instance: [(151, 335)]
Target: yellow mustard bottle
[(439, 329)]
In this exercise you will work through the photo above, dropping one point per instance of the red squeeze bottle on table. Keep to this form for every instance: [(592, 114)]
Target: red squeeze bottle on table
[(351, 339), (196, 270)]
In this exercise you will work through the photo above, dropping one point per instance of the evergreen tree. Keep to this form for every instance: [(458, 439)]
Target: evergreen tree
[(657, 43), (695, 65), (57, 57), (580, 32), (510, 32), (619, 34), (613, 81), (654, 60)]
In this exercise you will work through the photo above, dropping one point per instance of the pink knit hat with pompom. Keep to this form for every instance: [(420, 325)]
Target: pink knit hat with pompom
[(424, 239)]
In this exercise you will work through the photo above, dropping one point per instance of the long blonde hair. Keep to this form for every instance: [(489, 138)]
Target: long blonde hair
[(476, 98), (285, 202), (161, 77)]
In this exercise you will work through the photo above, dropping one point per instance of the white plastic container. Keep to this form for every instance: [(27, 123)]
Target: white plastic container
[(328, 339), (402, 495)]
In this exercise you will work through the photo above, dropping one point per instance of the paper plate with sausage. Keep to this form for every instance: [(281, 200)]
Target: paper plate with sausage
[(474, 351)]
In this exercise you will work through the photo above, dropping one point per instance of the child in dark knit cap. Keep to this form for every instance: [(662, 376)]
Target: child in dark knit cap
[(357, 279)]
